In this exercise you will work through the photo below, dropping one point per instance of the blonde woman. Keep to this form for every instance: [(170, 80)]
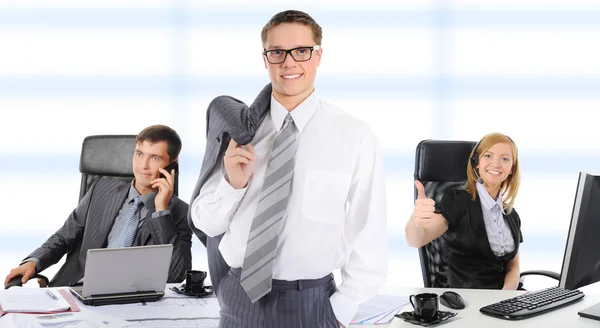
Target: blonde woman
[(479, 228)]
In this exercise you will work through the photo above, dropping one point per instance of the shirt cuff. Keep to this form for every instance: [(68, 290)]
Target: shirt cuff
[(34, 260), (226, 190), (343, 307), (160, 213)]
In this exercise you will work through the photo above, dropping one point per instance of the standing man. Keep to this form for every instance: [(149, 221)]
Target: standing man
[(289, 203), (117, 213)]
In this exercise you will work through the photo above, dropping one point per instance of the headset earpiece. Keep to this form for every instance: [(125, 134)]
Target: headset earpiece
[(475, 157)]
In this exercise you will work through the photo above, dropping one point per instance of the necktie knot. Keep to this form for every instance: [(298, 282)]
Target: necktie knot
[(287, 121), (137, 201)]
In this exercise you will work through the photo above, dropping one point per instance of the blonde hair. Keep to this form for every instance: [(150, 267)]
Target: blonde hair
[(510, 186)]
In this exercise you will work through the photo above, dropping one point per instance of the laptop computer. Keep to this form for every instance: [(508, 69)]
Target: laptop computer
[(592, 312), (125, 275)]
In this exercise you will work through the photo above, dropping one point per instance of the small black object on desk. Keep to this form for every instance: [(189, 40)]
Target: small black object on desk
[(194, 284), (426, 311), (452, 300), (413, 318)]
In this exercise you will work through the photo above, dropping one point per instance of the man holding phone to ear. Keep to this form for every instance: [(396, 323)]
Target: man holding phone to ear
[(117, 213)]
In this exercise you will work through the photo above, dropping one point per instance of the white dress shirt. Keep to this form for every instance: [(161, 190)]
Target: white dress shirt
[(336, 215)]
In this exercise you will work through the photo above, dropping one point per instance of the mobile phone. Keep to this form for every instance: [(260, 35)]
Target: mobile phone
[(168, 168)]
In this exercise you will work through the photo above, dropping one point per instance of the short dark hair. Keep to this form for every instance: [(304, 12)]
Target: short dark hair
[(157, 133), (293, 16)]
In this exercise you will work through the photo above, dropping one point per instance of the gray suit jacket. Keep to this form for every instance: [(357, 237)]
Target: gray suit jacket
[(226, 118), (90, 223)]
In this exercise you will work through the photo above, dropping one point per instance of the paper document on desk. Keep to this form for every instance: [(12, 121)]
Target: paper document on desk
[(384, 318), (23, 299), (379, 309), (60, 320), (165, 308)]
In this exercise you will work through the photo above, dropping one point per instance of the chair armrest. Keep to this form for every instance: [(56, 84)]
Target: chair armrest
[(16, 281), (44, 278), (549, 274)]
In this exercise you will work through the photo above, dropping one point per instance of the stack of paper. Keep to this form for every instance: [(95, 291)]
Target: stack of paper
[(379, 310), (39, 300), (165, 308)]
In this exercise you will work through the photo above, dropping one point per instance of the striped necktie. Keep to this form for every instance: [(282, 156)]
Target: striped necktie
[(257, 269), (126, 224)]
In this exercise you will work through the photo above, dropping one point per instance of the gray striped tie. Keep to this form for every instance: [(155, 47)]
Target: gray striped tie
[(126, 224), (257, 270)]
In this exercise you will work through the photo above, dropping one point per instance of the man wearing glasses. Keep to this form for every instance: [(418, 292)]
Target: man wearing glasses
[(291, 202)]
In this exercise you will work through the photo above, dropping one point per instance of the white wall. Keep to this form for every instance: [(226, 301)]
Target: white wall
[(412, 69)]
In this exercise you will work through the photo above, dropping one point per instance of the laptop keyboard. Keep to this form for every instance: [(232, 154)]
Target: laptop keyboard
[(120, 298)]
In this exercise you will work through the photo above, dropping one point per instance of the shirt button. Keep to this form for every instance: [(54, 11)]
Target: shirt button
[(500, 232), (502, 247)]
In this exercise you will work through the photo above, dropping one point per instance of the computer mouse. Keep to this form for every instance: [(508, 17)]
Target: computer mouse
[(452, 300), (16, 281)]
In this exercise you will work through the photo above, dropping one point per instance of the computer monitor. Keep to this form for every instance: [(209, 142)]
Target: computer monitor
[(581, 263)]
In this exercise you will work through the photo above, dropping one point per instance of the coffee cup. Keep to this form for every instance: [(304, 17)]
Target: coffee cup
[(194, 281), (425, 306)]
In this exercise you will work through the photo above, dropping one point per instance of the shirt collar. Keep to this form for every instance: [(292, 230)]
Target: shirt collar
[(147, 199), (301, 114), (486, 198)]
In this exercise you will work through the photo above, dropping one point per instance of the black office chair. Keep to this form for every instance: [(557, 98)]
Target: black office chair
[(442, 165), (439, 165), (108, 156)]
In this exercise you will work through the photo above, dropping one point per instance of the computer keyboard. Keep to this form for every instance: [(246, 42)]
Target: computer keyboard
[(532, 303)]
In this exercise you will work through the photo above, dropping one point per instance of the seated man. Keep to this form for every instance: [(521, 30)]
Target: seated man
[(116, 213)]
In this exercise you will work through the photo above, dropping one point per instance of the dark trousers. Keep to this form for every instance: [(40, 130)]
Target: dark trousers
[(290, 304)]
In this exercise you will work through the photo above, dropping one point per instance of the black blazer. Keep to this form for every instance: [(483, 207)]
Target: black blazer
[(465, 246), (90, 223)]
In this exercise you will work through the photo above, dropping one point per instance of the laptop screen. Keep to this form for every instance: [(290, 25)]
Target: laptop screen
[(127, 270)]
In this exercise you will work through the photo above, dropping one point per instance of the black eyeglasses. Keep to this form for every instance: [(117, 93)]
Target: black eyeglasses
[(300, 54)]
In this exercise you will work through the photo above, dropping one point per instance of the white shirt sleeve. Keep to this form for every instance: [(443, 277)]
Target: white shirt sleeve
[(366, 230), (216, 204)]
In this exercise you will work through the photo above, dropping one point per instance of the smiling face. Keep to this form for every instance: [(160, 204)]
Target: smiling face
[(495, 164), (292, 81), (147, 159)]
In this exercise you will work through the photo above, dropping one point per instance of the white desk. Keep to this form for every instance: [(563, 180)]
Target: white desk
[(470, 316), (476, 299)]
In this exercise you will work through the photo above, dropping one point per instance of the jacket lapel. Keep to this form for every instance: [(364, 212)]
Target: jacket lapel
[(478, 225), (113, 205)]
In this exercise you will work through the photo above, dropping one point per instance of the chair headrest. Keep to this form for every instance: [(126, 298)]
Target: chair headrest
[(442, 160), (107, 155)]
